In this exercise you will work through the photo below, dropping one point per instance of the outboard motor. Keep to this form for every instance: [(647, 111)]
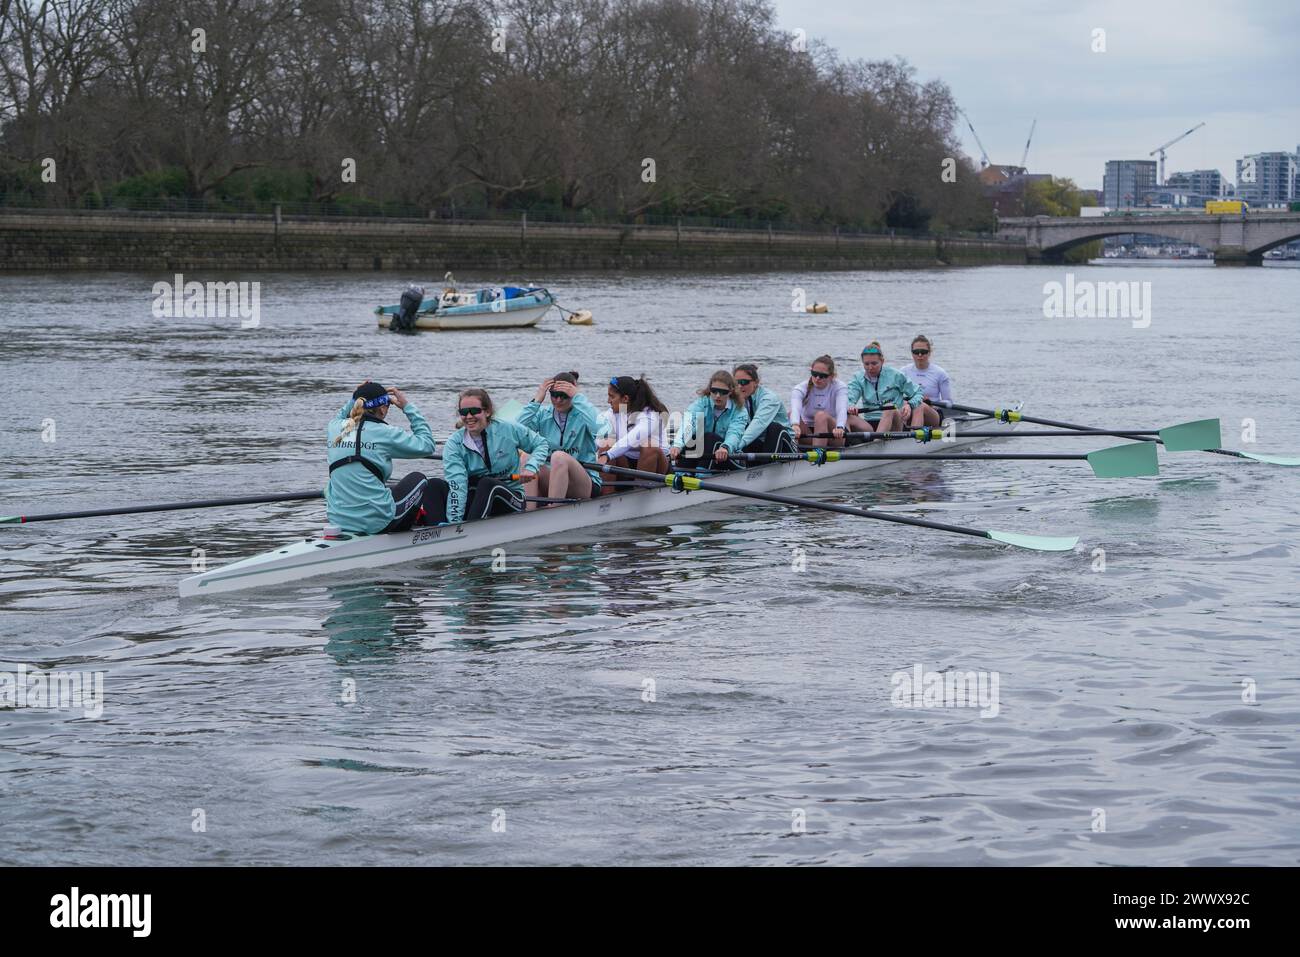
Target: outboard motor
[(404, 320)]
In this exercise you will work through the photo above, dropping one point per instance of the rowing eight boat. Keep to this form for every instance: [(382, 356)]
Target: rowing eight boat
[(315, 557)]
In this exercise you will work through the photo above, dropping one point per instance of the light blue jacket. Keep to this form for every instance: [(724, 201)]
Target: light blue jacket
[(503, 441), (355, 499), (579, 437), (892, 388), (701, 414), (764, 407)]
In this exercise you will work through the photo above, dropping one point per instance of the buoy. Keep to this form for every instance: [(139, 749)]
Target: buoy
[(817, 307), (580, 318)]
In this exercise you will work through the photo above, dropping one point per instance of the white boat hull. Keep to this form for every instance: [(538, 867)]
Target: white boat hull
[(508, 314), (317, 557)]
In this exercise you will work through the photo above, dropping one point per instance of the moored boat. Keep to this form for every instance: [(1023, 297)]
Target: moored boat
[(318, 556), (507, 307)]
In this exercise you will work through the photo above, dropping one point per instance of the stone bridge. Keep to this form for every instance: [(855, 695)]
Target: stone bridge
[(1234, 240)]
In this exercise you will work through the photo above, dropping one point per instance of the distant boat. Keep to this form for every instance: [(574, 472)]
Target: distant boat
[(505, 307)]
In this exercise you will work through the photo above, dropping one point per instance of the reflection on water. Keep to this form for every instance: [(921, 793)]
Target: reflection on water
[(371, 621), (665, 692)]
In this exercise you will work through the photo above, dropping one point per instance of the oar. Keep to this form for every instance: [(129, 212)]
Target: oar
[(1118, 461), (929, 433), (1203, 435), (165, 507), (681, 482)]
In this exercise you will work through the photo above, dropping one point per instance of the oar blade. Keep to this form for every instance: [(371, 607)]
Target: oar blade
[(1038, 543), (1272, 459), (509, 411), (1125, 461), (1192, 436)]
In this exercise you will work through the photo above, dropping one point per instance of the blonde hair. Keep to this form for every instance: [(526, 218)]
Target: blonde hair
[(873, 344), (726, 378), (354, 420), (828, 362)]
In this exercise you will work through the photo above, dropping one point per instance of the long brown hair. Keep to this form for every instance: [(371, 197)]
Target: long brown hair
[(483, 397), (829, 363), (640, 395), (725, 377)]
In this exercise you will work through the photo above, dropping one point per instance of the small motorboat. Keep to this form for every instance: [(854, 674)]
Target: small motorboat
[(496, 307)]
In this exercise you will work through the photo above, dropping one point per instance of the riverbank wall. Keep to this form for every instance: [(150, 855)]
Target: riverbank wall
[(56, 242)]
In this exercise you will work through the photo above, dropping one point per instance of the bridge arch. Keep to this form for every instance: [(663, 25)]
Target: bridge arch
[(1164, 232), (1259, 251)]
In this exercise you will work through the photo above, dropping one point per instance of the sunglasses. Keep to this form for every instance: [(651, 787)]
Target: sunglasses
[(559, 395), (819, 375), (744, 381), (471, 410), (920, 352), (720, 391)]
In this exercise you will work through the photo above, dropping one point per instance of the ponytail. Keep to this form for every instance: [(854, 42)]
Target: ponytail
[(354, 419), (639, 394)]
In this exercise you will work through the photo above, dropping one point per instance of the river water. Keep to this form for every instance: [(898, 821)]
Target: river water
[(1147, 696)]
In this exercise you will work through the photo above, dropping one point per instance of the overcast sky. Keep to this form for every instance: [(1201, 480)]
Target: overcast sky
[(1168, 65)]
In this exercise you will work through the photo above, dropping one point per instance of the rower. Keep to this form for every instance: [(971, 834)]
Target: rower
[(568, 423), (362, 446), (879, 385), (481, 457), (769, 425), (934, 382), (713, 425), (638, 441), (820, 406)]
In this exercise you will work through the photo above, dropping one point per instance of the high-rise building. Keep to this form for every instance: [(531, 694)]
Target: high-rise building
[(1267, 177), (1127, 182), (1201, 182)]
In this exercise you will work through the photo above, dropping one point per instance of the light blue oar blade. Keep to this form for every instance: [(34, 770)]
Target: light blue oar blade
[(1039, 543), (1271, 459), (1125, 461), (1192, 436), (509, 411)]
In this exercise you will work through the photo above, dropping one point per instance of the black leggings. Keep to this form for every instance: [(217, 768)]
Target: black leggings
[(705, 459), (418, 500), (775, 438), (491, 496)]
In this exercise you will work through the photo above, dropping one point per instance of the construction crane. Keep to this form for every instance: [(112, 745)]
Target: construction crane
[(1025, 156), (984, 154), (1160, 179)]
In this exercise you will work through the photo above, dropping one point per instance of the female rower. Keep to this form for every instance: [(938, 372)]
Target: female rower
[(481, 457), (568, 423), (636, 439), (361, 450), (878, 385), (769, 425), (934, 382), (713, 425), (820, 406)]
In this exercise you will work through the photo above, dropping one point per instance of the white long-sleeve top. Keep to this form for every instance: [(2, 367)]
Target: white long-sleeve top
[(635, 432), (805, 403)]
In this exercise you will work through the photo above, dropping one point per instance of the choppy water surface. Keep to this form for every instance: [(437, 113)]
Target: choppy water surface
[(517, 697)]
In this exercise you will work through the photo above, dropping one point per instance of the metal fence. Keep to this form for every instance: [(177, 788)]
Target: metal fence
[(398, 212)]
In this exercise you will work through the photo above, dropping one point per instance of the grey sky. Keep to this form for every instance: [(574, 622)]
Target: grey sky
[(1168, 65)]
